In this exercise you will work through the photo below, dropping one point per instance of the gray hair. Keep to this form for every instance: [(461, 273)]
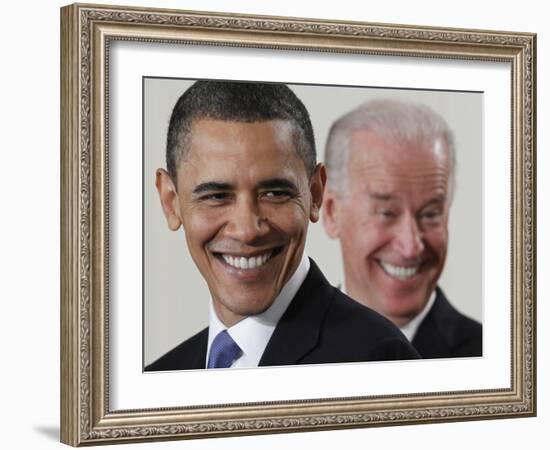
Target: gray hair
[(394, 120)]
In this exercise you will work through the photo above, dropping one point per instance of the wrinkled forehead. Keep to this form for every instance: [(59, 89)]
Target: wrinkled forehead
[(237, 150), (368, 147), (413, 164), (215, 139)]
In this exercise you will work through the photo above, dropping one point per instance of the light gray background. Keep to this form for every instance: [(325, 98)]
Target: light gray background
[(175, 294)]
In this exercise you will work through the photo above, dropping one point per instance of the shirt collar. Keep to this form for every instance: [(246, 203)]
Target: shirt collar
[(253, 333), (410, 328)]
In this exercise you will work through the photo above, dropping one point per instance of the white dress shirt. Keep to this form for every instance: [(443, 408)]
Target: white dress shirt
[(253, 333), (410, 329)]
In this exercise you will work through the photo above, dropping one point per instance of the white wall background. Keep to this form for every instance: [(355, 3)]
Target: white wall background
[(29, 231)]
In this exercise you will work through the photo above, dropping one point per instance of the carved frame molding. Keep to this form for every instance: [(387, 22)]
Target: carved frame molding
[(86, 31)]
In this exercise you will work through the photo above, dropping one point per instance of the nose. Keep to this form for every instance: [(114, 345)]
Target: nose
[(245, 223), (408, 240)]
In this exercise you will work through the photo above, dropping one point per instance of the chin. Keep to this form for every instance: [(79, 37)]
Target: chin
[(409, 313), (250, 307), (401, 305)]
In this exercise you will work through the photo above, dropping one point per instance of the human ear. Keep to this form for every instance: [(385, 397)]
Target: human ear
[(331, 211), (168, 199), (316, 188)]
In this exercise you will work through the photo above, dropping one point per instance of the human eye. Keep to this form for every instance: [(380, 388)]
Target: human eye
[(277, 195), (386, 214), (431, 215), (214, 198)]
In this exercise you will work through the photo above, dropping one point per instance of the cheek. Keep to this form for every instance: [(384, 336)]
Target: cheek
[(288, 219), (200, 227), (437, 239), (363, 238)]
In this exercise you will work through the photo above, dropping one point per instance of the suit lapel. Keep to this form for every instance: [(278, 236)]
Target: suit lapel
[(430, 339), (199, 359), (297, 333)]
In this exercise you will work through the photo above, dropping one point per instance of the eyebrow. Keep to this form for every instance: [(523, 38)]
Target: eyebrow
[(273, 183), (212, 186), (388, 197), (382, 197), (277, 183), (435, 200)]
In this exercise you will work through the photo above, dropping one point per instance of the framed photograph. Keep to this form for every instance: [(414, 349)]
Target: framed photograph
[(131, 290), (169, 320)]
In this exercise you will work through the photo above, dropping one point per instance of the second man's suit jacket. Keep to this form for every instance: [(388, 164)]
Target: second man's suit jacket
[(321, 325), (446, 333)]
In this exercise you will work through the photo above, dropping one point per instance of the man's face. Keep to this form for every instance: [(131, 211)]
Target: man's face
[(391, 220), (244, 200)]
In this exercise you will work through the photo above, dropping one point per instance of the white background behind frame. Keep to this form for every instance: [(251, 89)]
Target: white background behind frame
[(130, 389), (175, 294), (30, 391)]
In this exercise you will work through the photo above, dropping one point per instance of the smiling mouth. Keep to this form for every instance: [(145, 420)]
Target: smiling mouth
[(399, 272), (249, 262)]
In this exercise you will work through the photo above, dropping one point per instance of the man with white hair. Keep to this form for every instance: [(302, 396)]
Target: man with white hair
[(390, 185)]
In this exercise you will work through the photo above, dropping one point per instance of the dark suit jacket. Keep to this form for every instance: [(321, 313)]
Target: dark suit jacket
[(321, 325), (446, 333)]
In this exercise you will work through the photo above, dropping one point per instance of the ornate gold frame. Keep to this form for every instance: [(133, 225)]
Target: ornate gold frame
[(86, 31)]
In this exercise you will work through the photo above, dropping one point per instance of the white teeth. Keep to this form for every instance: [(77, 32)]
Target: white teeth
[(401, 273), (246, 263)]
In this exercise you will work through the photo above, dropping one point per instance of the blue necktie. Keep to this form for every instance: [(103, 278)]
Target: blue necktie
[(223, 351)]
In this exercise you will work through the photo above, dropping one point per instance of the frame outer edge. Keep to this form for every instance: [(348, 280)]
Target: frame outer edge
[(533, 235), (69, 209), (84, 401)]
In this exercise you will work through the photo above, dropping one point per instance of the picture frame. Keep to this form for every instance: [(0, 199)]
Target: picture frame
[(89, 275)]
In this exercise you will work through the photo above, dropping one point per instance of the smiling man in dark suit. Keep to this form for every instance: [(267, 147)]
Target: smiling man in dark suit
[(390, 185), (243, 182)]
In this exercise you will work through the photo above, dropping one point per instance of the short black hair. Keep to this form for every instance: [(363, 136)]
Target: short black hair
[(241, 102)]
